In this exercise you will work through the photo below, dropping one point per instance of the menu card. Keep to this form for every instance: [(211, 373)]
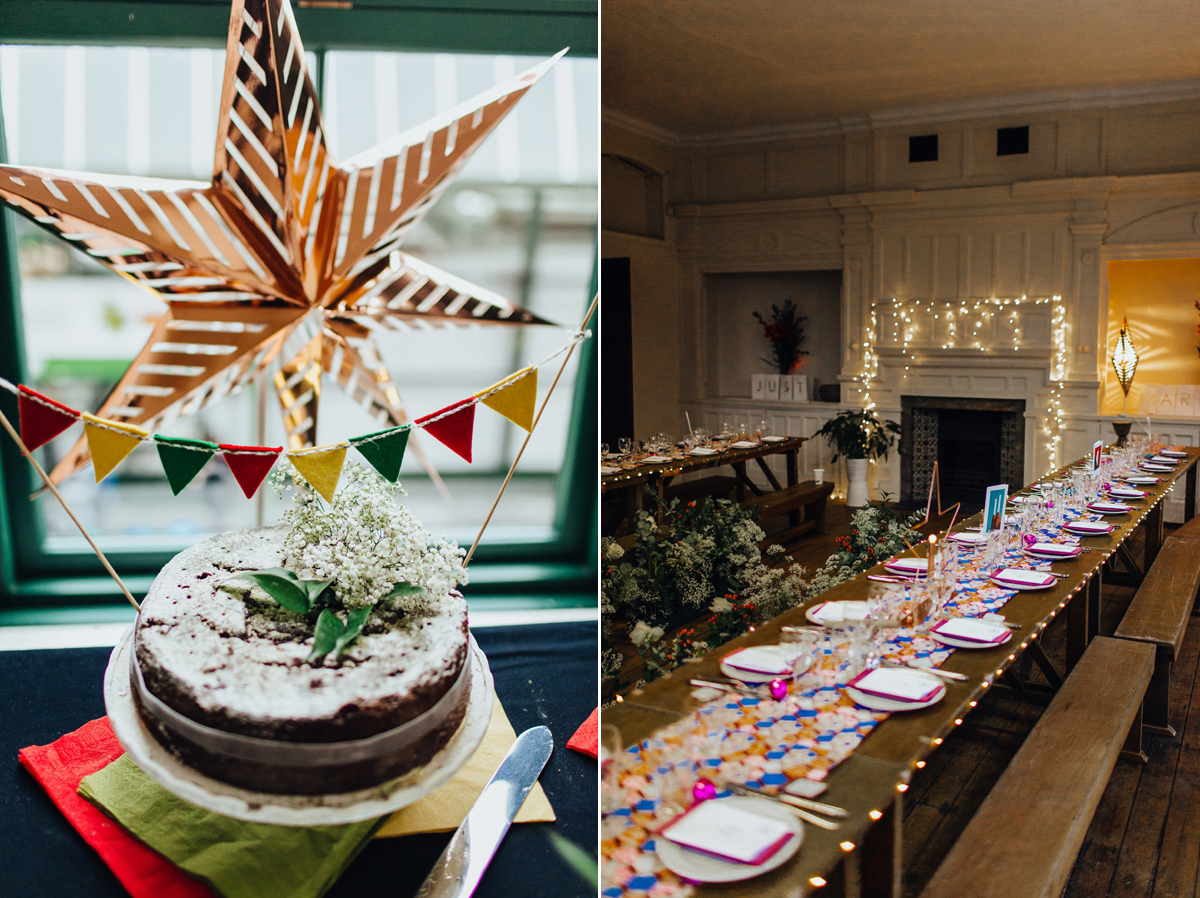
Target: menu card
[(1024, 578), (764, 659), (832, 612), (908, 565), (728, 832), (969, 629), (1054, 549), (897, 685), (1089, 526)]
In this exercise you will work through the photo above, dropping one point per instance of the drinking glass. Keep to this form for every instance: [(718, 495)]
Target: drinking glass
[(611, 768), (801, 645), (624, 444)]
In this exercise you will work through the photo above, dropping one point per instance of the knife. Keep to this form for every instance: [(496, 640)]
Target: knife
[(459, 869)]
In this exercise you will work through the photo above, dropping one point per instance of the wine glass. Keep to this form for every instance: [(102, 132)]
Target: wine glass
[(624, 444), (800, 647)]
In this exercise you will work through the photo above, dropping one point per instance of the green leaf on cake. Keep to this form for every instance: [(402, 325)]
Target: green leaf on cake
[(325, 636), (354, 626), (332, 636), (285, 588), (402, 590)]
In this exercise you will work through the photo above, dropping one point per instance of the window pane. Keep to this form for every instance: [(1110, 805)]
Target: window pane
[(519, 220)]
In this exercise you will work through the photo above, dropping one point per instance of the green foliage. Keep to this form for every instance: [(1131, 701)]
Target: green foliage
[(331, 634), (877, 532), (859, 434), (704, 555)]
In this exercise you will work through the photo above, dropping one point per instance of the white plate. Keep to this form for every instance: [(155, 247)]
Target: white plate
[(750, 676), (774, 439), (970, 539), (291, 810), (702, 450), (878, 703), (1141, 479), (1173, 453), (609, 469), (967, 643), (1160, 469), (657, 460), (1127, 493), (742, 444), (1024, 500), (704, 868), (858, 611)]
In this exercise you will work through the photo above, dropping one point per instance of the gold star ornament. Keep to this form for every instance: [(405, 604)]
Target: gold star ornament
[(284, 264)]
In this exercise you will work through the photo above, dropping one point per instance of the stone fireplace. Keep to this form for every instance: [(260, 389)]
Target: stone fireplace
[(976, 443)]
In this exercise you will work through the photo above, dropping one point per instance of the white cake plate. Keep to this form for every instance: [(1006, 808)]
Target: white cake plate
[(291, 810)]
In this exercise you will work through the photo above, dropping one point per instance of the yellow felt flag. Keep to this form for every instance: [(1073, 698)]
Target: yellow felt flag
[(321, 467), (109, 442), (514, 397)]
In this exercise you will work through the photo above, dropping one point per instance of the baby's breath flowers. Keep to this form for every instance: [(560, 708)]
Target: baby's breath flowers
[(364, 541)]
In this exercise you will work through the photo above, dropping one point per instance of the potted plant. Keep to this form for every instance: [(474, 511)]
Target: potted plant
[(860, 436)]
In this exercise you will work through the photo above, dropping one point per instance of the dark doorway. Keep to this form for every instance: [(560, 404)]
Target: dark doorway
[(968, 454), (616, 350)]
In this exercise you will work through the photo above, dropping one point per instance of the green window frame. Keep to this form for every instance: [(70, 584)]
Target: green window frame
[(37, 586)]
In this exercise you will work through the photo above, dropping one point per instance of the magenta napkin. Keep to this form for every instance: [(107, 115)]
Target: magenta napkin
[(1173, 453), (1164, 460), (1162, 468), (890, 684), (1124, 492), (908, 565), (1108, 507)]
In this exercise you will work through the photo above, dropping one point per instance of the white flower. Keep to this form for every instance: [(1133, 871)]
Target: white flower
[(643, 632), (614, 551), (720, 605)]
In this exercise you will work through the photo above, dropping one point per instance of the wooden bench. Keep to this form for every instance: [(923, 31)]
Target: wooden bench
[(1025, 837), (716, 486), (1158, 615), (804, 504)]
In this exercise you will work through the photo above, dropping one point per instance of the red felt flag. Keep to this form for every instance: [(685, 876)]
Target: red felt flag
[(454, 426), (41, 418), (250, 464)]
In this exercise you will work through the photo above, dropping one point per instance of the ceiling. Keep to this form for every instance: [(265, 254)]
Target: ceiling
[(712, 70)]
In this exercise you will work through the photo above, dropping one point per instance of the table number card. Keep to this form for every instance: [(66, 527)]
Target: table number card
[(993, 507), (1097, 451)]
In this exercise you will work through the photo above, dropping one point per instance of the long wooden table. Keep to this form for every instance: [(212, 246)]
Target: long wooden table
[(632, 483), (871, 781)]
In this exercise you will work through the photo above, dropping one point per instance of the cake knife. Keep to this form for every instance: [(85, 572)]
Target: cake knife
[(459, 869)]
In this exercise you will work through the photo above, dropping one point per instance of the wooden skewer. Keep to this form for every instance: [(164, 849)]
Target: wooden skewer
[(63, 502), (587, 318)]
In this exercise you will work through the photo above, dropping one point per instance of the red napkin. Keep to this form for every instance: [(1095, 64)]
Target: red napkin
[(587, 738), (59, 767)]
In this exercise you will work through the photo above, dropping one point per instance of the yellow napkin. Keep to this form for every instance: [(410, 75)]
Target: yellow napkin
[(446, 807)]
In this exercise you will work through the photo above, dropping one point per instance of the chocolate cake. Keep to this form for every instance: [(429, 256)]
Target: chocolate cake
[(220, 677)]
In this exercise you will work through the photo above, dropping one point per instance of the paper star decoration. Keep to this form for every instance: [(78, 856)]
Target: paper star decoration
[(283, 265)]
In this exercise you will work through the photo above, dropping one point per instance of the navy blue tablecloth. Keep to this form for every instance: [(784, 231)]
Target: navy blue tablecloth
[(545, 674)]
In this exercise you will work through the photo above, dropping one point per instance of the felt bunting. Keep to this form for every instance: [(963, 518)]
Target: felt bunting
[(41, 419), (109, 442), (182, 459), (453, 426), (514, 397), (384, 449), (250, 464), (321, 467)]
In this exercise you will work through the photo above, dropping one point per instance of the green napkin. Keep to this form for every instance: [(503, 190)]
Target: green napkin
[(238, 859)]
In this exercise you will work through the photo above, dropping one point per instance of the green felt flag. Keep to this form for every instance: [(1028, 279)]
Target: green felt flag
[(182, 459), (384, 449), (238, 859)]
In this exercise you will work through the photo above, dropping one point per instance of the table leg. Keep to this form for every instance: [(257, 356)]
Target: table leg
[(743, 481), (879, 856), (1189, 494), (1154, 535), (793, 466), (1077, 624)]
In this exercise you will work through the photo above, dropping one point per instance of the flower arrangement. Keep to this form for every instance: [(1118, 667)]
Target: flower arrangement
[(705, 556), (877, 532), (359, 553), (785, 332)]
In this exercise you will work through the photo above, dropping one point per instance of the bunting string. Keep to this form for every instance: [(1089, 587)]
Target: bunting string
[(109, 442)]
